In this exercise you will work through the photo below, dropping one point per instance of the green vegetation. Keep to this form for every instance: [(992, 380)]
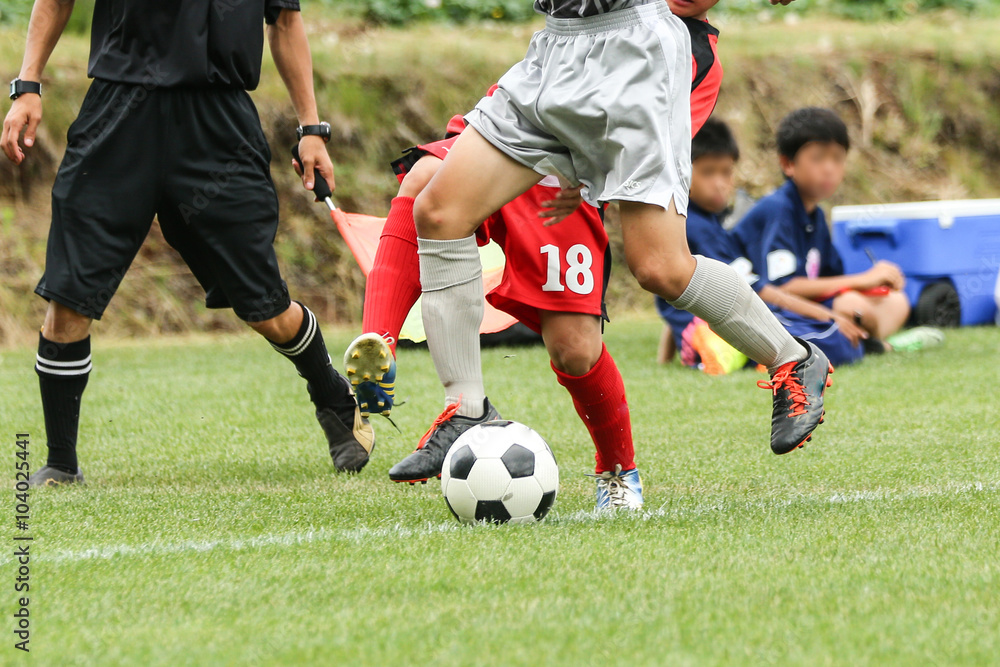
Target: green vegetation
[(213, 530)]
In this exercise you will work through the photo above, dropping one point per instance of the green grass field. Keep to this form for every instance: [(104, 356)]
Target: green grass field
[(214, 531)]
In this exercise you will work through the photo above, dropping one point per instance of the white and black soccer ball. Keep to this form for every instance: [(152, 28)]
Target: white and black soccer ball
[(500, 471)]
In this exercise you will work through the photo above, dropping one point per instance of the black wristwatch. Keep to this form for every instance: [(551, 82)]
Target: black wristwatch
[(321, 130), (18, 88)]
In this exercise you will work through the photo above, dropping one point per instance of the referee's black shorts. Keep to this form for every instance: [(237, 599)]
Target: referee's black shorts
[(195, 158)]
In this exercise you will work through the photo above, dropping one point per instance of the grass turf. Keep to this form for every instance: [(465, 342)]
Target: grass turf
[(213, 530)]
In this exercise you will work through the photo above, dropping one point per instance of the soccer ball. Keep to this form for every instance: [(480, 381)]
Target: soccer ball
[(500, 471)]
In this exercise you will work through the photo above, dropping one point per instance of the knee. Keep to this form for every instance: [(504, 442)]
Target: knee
[(575, 355), (665, 277), (429, 215), (65, 325), (899, 302), (850, 303), (419, 176)]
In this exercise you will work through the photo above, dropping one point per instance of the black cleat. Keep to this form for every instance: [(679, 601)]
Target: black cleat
[(798, 389), (49, 476), (428, 458), (350, 446)]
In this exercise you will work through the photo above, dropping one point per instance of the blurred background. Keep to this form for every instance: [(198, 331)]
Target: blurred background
[(917, 81)]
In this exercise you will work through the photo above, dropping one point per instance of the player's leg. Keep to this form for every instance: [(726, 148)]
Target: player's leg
[(94, 236), (584, 366), (657, 254), (475, 180), (226, 237), (667, 348), (63, 366), (393, 286), (880, 316)]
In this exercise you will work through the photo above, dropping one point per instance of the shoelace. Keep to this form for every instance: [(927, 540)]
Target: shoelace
[(614, 484), (448, 413), (785, 379)]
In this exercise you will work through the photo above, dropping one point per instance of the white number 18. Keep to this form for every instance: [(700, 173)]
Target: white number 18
[(579, 277)]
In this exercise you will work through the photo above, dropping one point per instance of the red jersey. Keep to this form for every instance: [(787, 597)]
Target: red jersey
[(706, 78)]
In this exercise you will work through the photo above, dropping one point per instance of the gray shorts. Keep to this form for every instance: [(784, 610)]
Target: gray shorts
[(603, 101)]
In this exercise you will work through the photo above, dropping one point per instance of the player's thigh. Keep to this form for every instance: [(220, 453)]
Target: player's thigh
[(103, 199), (656, 247), (475, 180)]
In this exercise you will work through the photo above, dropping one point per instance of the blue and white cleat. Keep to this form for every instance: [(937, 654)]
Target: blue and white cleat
[(371, 369), (619, 490)]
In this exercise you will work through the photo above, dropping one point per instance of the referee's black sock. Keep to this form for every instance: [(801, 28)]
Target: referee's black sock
[(63, 370), (327, 387)]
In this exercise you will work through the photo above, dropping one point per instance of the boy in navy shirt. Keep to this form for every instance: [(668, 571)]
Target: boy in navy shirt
[(786, 236), (714, 154)]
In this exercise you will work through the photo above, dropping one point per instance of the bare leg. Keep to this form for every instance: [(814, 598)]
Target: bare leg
[(282, 328), (881, 316), (65, 325), (573, 340), (473, 182), (667, 348)]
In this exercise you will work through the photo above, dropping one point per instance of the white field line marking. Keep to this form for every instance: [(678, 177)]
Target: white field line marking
[(363, 534)]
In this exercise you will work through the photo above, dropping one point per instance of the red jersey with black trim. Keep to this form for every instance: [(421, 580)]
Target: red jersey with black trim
[(706, 78)]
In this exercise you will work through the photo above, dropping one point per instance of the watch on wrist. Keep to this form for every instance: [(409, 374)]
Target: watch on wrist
[(19, 87), (322, 130)]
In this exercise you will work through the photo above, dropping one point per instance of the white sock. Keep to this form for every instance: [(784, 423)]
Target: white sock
[(718, 295), (451, 276)]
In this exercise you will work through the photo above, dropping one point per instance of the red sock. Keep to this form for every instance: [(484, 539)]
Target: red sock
[(393, 284), (599, 399)]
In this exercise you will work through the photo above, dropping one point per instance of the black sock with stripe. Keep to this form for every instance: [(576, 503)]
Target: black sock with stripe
[(327, 387), (63, 370)]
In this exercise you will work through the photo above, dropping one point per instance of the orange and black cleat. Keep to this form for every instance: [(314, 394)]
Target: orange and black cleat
[(426, 461), (797, 388)]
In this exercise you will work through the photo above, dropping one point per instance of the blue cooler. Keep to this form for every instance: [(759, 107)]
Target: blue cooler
[(949, 251)]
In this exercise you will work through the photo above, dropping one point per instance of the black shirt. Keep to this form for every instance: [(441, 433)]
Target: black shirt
[(167, 43), (569, 9)]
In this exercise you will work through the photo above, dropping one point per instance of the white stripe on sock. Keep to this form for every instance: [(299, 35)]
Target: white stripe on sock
[(49, 362), (52, 371), (306, 340)]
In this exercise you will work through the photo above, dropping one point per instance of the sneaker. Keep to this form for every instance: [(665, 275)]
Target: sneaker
[(426, 461), (49, 476), (798, 388), (351, 444), (619, 490), (371, 368), (915, 339)]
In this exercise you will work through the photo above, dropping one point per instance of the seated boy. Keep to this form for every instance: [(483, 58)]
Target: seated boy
[(714, 154), (786, 236)]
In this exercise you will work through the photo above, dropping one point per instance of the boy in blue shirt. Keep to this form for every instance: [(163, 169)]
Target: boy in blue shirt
[(714, 154), (786, 236)]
